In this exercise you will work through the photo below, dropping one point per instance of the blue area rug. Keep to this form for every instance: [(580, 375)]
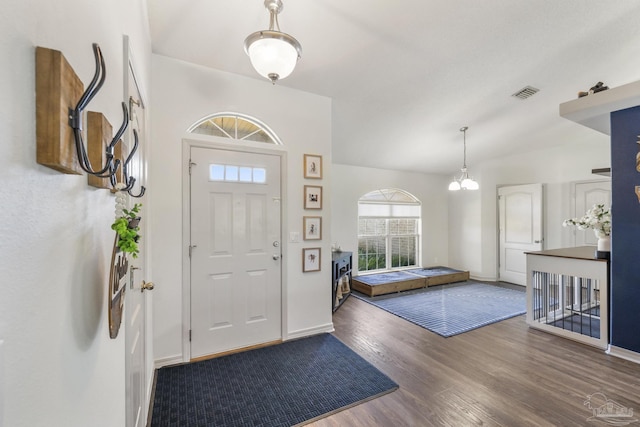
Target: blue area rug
[(453, 309), (288, 384), (584, 325)]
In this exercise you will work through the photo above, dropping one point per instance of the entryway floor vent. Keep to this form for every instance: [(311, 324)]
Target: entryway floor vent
[(526, 92)]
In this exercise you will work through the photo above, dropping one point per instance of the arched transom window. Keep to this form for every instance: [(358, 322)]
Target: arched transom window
[(388, 230), (235, 126)]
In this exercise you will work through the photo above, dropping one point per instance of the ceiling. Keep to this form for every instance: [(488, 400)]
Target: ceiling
[(404, 76)]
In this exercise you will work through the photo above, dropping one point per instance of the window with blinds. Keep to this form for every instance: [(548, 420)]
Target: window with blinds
[(389, 224)]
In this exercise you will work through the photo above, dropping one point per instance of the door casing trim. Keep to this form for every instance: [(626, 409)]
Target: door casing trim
[(216, 143), (542, 222)]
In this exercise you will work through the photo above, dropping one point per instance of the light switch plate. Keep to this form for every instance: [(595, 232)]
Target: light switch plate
[(294, 237)]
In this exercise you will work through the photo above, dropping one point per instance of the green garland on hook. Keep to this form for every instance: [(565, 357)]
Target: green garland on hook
[(127, 228)]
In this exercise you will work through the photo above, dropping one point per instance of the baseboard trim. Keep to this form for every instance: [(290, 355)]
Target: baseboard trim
[(623, 353), (166, 361), (301, 333), (482, 279)]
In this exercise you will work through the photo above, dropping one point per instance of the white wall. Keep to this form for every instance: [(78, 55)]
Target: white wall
[(349, 183), (60, 367), (465, 230), (473, 219), (183, 93)]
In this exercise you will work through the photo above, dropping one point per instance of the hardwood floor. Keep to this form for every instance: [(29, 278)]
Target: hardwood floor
[(504, 374)]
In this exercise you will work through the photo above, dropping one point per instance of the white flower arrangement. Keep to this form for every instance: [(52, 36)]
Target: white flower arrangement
[(598, 218)]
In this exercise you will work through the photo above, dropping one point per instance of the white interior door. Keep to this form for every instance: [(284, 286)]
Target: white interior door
[(135, 300), (588, 194), (235, 250), (520, 228)]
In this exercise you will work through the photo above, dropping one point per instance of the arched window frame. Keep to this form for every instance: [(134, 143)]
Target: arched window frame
[(389, 230), (233, 134)]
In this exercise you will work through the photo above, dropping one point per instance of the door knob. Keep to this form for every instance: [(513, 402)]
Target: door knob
[(147, 286), (276, 256)]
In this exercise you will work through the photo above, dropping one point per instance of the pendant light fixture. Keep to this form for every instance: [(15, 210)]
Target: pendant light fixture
[(464, 182), (273, 54)]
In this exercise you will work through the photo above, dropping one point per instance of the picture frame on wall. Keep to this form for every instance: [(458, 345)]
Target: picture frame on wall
[(313, 197), (312, 166), (312, 227), (311, 259)]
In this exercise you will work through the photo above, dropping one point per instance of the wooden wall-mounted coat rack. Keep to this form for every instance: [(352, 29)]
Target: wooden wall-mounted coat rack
[(60, 111)]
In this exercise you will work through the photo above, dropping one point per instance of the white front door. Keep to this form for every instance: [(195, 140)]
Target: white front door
[(135, 300), (520, 219), (235, 250), (588, 194)]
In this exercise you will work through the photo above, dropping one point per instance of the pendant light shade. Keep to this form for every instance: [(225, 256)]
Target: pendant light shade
[(469, 184), (464, 182), (273, 54)]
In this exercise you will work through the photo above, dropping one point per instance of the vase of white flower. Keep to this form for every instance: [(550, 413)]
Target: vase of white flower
[(598, 218), (604, 242)]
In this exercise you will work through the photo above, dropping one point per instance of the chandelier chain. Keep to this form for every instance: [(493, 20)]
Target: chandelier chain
[(464, 139), (464, 182), (273, 20)]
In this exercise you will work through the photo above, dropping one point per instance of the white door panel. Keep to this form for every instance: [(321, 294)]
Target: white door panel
[(518, 225), (235, 261), (514, 263), (135, 300), (520, 228), (588, 194)]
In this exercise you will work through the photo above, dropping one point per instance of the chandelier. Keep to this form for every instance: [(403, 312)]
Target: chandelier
[(273, 54), (464, 182)]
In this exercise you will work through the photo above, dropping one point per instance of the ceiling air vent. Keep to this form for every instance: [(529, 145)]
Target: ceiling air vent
[(526, 92)]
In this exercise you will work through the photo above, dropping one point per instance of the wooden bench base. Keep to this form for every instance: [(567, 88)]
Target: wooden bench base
[(405, 281)]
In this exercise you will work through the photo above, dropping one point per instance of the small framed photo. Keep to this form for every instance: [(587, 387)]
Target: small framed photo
[(312, 166), (310, 259), (312, 197), (312, 227)]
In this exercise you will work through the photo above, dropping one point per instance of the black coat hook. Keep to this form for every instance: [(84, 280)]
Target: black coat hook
[(75, 121), (129, 180)]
